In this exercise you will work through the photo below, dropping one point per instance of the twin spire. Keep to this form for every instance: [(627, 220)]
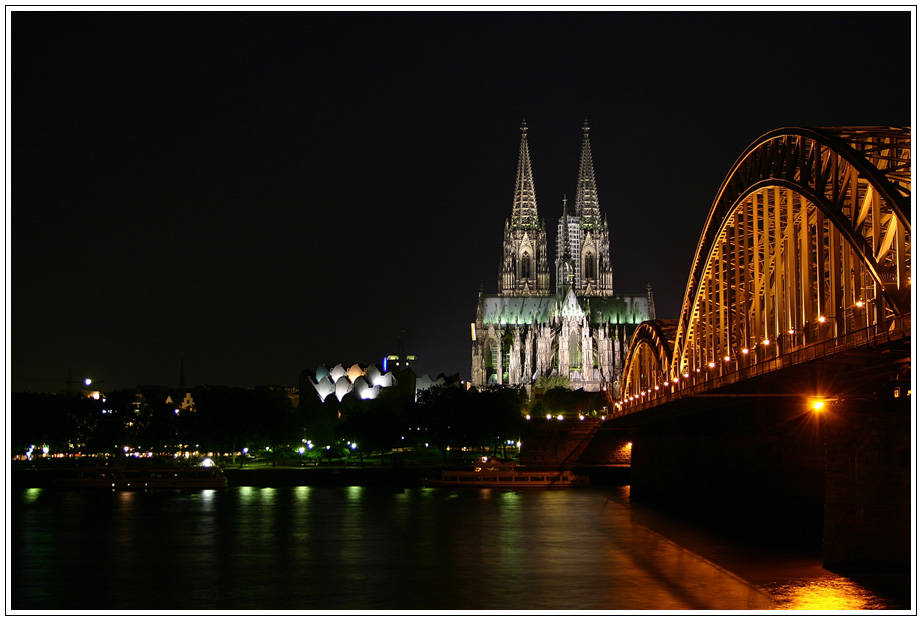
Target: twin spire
[(582, 252), (525, 205), (587, 198)]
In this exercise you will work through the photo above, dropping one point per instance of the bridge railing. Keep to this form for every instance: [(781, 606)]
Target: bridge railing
[(871, 336)]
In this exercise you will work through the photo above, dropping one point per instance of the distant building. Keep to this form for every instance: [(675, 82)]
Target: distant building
[(367, 382), (583, 329)]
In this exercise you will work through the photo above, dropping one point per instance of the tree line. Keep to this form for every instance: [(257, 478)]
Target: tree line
[(227, 420)]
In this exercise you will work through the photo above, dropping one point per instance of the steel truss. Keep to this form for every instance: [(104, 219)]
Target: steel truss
[(808, 239)]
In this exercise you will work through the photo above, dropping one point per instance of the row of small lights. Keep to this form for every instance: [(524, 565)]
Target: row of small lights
[(712, 364), (560, 417)]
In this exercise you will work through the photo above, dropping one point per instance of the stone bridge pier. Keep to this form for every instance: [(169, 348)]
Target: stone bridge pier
[(840, 475)]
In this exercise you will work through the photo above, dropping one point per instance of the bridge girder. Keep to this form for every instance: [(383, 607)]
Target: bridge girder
[(808, 238), (649, 357)]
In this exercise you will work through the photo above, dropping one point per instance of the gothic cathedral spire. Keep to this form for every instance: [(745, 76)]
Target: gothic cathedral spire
[(524, 269), (595, 274), (525, 205), (587, 198)]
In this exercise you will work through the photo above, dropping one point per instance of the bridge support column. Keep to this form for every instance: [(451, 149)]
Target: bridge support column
[(868, 513), (753, 465)]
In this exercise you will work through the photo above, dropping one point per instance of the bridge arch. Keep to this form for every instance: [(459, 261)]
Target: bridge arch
[(649, 358), (808, 238)]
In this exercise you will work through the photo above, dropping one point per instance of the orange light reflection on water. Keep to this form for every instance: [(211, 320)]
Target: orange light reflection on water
[(834, 593)]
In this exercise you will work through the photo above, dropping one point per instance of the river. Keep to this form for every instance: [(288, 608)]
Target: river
[(373, 549)]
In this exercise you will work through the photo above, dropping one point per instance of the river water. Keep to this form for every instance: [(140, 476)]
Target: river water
[(372, 549)]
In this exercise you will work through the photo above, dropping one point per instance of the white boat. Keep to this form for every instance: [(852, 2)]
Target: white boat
[(494, 474), (142, 476)]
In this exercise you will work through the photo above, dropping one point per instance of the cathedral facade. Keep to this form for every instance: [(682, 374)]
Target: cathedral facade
[(579, 329)]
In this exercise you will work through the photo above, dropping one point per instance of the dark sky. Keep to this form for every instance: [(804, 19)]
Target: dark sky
[(260, 193)]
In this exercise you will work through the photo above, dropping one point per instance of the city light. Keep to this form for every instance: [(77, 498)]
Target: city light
[(818, 404)]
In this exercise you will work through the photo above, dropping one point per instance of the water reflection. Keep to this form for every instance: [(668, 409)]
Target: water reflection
[(369, 549), (832, 593)]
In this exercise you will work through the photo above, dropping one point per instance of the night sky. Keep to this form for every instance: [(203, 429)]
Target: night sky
[(260, 193)]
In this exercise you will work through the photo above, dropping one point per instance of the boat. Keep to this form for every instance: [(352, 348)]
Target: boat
[(143, 476), (509, 476)]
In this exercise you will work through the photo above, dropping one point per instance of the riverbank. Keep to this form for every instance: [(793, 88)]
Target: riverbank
[(265, 475)]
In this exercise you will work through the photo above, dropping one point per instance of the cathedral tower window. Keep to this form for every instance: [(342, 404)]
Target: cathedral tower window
[(525, 266)]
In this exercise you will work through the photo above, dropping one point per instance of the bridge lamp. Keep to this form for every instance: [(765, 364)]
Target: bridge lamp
[(791, 331), (821, 319), (726, 358), (818, 405), (685, 375), (711, 365), (859, 304), (745, 350), (560, 417), (656, 387), (766, 342)]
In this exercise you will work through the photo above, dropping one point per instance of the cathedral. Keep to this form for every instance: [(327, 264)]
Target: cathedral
[(580, 329)]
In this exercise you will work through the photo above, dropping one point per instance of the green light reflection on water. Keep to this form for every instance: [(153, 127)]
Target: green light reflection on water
[(32, 494), (302, 493), (247, 495)]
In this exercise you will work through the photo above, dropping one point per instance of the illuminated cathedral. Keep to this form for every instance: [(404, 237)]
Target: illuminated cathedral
[(581, 329)]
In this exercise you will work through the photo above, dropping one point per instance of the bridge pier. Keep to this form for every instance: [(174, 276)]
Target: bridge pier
[(752, 465), (868, 483), (839, 477)]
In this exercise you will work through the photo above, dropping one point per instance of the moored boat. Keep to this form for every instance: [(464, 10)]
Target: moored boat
[(502, 475), (143, 476)]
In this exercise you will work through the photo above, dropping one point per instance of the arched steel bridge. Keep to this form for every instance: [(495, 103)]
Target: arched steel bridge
[(806, 251)]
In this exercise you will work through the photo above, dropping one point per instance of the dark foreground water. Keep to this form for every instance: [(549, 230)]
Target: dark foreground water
[(354, 548)]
